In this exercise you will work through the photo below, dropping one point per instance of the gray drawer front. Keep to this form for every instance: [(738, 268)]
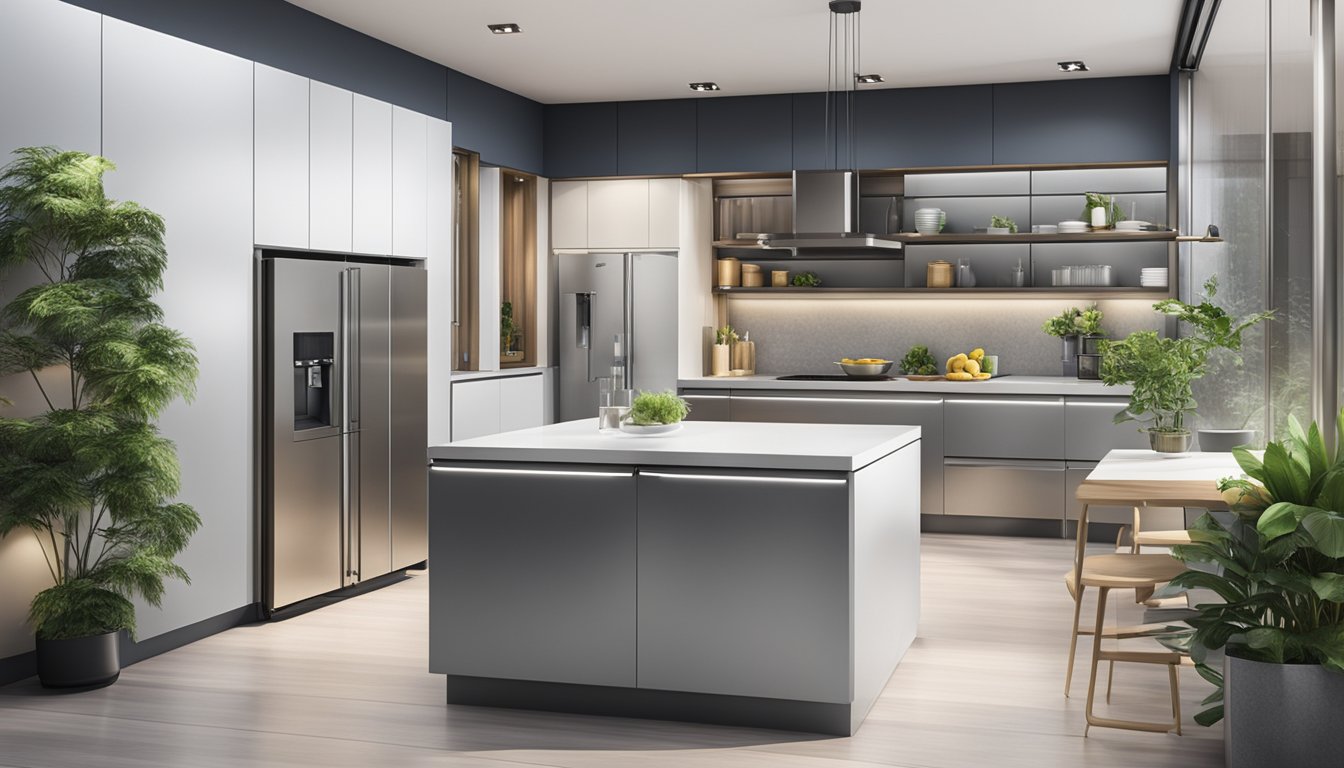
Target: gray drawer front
[(1024, 489), (534, 572), (1007, 428), (1090, 431), (707, 405), (729, 561), (1074, 477), (811, 408)]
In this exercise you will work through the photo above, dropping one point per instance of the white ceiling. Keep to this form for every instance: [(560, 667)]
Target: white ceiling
[(613, 50)]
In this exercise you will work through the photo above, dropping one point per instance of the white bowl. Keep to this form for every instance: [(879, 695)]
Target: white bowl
[(1074, 223), (649, 430)]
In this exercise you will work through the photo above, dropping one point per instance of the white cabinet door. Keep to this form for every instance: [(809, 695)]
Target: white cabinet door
[(664, 212), (280, 200), (520, 405), (475, 408), (618, 213), (372, 174), (569, 214), (331, 147), (57, 103), (439, 269), (177, 119), (410, 207)]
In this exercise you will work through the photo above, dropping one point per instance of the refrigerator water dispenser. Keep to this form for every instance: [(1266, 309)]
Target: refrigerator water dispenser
[(314, 354)]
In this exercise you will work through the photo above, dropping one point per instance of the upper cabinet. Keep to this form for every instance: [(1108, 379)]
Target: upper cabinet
[(410, 163), (280, 129), (1106, 120), (913, 127), (615, 213), (331, 148), (372, 175)]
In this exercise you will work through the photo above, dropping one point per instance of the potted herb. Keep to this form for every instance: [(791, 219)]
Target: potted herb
[(90, 476), (1277, 563), (1161, 370), (1090, 333), (1069, 325), (1002, 225), (919, 362), (1110, 210), (721, 353), (657, 408), (807, 280), (508, 335)]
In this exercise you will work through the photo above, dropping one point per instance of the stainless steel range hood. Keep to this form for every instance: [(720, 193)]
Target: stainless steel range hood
[(825, 218)]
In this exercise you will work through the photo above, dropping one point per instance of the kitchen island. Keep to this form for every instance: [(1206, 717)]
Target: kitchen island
[(751, 574)]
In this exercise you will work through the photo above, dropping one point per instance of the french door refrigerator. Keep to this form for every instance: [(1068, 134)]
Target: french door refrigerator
[(602, 295), (342, 380)]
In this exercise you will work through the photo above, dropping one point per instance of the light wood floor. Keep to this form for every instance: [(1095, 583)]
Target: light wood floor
[(347, 686)]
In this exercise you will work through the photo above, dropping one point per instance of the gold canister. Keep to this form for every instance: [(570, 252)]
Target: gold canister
[(779, 278), (754, 279), (730, 272), (939, 274)]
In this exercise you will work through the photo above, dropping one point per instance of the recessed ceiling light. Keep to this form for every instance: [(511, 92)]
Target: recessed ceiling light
[(504, 29), (868, 79), (705, 86), (1072, 66)]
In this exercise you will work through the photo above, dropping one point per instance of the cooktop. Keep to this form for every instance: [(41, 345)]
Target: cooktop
[(832, 377)]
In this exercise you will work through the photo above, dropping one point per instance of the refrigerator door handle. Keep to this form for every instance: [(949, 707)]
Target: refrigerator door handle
[(628, 321), (354, 323)]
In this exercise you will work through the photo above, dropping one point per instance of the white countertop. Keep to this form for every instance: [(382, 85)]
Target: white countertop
[(1123, 464), (1004, 385), (747, 445), (506, 372)]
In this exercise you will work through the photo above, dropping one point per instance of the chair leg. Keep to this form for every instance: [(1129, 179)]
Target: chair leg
[(1073, 637), (1175, 696), (1096, 653), (1110, 677)]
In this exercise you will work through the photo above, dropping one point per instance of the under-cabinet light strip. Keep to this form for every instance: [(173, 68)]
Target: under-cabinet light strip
[(830, 400), (750, 478), (501, 471), (1002, 402)]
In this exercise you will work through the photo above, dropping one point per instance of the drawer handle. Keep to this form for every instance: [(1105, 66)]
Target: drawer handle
[(1095, 404), (1045, 466), (1054, 403), (748, 478), (883, 401), (503, 471)]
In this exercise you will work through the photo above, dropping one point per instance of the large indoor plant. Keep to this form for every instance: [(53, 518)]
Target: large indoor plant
[(1161, 370), (89, 476), (1277, 563)]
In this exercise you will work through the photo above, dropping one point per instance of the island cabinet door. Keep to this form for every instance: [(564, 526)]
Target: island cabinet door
[(744, 583), (533, 572)]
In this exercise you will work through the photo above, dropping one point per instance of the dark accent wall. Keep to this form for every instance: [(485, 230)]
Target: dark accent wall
[(1058, 121), (505, 128)]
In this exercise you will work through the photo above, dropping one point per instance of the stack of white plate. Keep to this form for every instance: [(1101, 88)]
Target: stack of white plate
[(928, 221), (1132, 225), (1153, 277), (1072, 227)]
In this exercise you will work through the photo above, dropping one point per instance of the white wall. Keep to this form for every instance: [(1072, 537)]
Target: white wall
[(55, 104), (694, 262), (177, 118)]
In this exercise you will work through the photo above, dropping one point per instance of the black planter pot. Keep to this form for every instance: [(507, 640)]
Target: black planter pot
[(1282, 714), (1091, 345), (79, 662), (1069, 355)]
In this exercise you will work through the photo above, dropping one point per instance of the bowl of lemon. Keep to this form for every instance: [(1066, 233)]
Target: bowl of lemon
[(864, 367)]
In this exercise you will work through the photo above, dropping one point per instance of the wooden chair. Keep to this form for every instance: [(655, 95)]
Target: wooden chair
[(1142, 573)]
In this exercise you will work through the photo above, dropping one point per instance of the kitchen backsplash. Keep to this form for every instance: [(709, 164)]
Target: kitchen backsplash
[(808, 336)]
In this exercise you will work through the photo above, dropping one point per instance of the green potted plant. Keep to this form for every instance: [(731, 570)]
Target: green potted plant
[(508, 335), (720, 356), (1161, 370), (1069, 326), (90, 476), (655, 413), (1277, 564), (1111, 209), (1002, 225)]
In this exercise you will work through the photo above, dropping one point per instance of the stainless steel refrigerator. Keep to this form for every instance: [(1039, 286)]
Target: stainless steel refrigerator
[(603, 295), (342, 435)]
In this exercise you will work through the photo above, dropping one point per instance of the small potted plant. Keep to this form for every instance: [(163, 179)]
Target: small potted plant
[(1277, 563), (1002, 225), (721, 354), (1090, 333), (655, 413), (1110, 210), (1161, 370), (508, 335), (1065, 326)]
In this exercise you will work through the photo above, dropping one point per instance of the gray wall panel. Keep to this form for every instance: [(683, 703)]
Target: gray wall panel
[(914, 127), (1082, 121), (973, 183), (752, 133), (580, 140), (1079, 180), (992, 264), (1125, 259), (964, 214), (655, 137)]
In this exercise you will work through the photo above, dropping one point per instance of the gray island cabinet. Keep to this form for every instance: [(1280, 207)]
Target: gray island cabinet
[(752, 574)]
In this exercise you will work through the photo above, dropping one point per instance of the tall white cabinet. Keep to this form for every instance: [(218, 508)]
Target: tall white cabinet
[(372, 175), (410, 183), (331, 126), (177, 119), (280, 164)]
